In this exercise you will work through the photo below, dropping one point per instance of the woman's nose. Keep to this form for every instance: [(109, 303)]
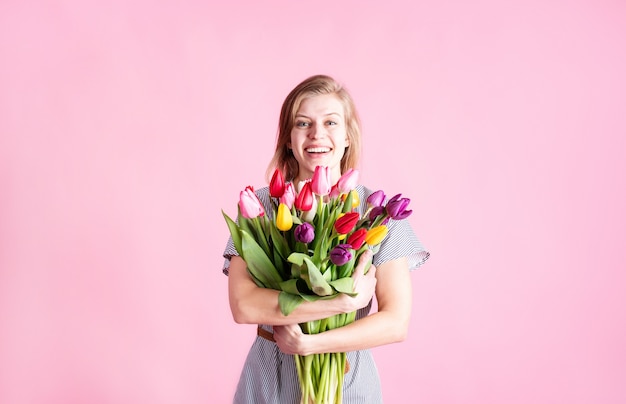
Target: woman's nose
[(317, 131)]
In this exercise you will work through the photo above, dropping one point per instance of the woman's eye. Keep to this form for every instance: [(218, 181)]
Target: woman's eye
[(331, 123), (302, 124)]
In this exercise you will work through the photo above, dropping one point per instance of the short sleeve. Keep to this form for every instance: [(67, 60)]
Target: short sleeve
[(229, 252), (401, 241)]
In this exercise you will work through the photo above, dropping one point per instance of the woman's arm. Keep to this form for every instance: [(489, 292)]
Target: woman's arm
[(251, 304), (388, 325)]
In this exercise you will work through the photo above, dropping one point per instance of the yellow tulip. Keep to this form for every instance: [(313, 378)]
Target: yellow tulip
[(284, 221), (376, 235), (355, 199)]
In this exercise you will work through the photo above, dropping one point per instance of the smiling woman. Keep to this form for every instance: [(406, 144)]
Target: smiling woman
[(318, 145), (319, 136)]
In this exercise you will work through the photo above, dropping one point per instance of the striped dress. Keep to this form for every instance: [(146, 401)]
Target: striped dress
[(269, 376)]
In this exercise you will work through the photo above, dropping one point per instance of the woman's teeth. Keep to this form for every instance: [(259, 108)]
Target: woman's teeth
[(318, 150)]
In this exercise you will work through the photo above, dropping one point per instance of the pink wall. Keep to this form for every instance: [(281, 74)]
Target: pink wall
[(125, 127)]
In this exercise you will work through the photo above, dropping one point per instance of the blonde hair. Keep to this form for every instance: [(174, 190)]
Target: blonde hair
[(315, 85)]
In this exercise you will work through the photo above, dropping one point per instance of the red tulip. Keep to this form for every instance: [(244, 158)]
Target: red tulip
[(345, 223), (357, 238), (277, 184), (304, 199)]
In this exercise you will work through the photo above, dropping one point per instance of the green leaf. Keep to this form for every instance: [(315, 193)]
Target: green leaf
[(318, 284), (347, 269), (235, 232), (344, 285), (290, 286), (347, 204), (245, 224), (279, 242), (258, 263), (288, 302)]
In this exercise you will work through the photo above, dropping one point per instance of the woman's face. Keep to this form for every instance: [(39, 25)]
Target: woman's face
[(318, 137)]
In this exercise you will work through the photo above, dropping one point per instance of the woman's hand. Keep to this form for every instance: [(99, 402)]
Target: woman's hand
[(364, 284), (290, 339)]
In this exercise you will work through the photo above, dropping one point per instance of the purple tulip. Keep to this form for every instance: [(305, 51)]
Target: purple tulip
[(376, 199), (376, 211), (396, 207), (304, 233), (341, 254)]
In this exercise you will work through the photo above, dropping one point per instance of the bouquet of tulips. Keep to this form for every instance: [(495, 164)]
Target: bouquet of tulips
[(307, 247)]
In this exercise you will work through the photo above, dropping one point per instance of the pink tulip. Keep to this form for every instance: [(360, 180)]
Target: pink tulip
[(249, 204), (348, 181), (334, 192), (320, 184), (289, 196)]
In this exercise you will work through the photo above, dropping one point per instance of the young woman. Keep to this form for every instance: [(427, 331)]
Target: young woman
[(319, 125)]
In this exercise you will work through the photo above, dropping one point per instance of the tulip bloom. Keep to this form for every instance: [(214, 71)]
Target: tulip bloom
[(346, 222), (348, 181), (320, 183), (277, 184), (309, 215), (396, 207), (249, 204), (284, 221), (334, 192), (375, 212), (376, 199), (341, 254), (304, 199), (376, 234), (304, 233), (357, 238), (289, 196)]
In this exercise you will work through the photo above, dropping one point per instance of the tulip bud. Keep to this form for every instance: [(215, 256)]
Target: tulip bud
[(289, 196), (348, 181), (396, 207), (376, 199), (334, 192), (320, 183), (309, 215), (356, 201), (304, 199), (357, 238), (346, 222), (376, 235), (277, 184), (375, 212), (284, 221), (304, 233), (249, 204), (341, 254)]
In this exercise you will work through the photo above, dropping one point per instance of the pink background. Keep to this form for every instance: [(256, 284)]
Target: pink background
[(125, 128)]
